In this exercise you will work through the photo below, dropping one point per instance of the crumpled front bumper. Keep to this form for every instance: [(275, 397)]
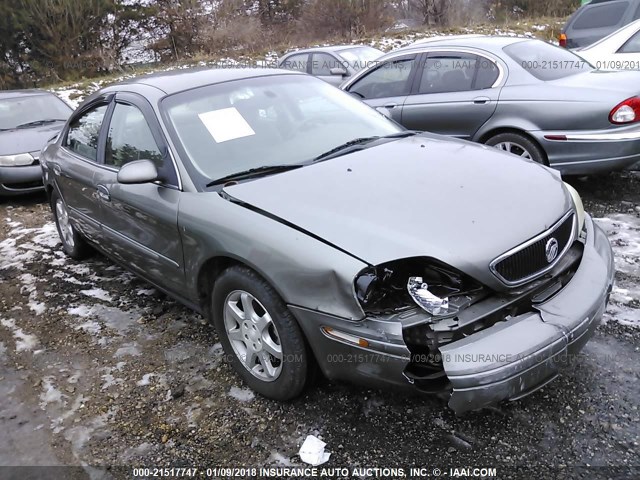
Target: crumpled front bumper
[(509, 360), (512, 359)]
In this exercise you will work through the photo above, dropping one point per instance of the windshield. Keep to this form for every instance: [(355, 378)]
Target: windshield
[(360, 57), (231, 127), (545, 61), (32, 108)]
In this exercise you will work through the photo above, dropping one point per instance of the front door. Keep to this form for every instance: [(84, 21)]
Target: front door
[(140, 222)]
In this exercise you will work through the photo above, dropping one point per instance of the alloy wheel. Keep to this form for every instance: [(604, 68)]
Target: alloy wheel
[(66, 230), (514, 149), (253, 335)]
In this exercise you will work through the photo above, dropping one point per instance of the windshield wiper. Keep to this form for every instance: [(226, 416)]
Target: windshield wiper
[(345, 147), (35, 123), (253, 172)]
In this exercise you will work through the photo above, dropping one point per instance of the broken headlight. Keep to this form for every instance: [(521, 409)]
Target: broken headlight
[(401, 285), (427, 300)]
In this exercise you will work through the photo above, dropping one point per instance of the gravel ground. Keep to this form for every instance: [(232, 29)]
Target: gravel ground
[(98, 368)]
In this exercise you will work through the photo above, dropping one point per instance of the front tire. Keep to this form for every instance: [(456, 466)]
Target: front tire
[(72, 242), (518, 145), (259, 334)]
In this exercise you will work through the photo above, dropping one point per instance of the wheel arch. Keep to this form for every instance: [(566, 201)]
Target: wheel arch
[(211, 269), (485, 136)]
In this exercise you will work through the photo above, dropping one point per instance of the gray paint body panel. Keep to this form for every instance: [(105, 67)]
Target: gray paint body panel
[(310, 232)]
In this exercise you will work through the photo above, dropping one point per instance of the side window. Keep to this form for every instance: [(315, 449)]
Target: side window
[(632, 45), (636, 16), (297, 62), (448, 72), (600, 16), (322, 64), (130, 138), (84, 132), (487, 74), (390, 79)]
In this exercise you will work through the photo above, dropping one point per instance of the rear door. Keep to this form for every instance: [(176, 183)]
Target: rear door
[(454, 94), (140, 222), (75, 165), (388, 85)]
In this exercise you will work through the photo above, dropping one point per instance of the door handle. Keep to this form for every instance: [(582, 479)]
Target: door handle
[(391, 106), (103, 193), (481, 100)]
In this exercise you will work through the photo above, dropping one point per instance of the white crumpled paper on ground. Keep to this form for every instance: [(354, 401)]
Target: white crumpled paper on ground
[(312, 451)]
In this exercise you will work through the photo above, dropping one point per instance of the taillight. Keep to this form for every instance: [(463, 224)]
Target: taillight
[(562, 39), (626, 112)]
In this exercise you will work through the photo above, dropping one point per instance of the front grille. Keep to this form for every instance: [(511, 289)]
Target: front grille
[(531, 260)]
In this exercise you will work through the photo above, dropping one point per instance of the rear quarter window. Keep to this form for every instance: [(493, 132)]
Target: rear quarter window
[(600, 16)]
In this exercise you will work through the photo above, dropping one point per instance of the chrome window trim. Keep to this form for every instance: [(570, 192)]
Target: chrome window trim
[(549, 231), (419, 49)]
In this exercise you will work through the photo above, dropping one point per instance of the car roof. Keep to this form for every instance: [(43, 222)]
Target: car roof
[(484, 42), (329, 48), (179, 80), (22, 93)]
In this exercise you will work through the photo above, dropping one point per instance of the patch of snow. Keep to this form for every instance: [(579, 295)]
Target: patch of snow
[(242, 394), (98, 293), (146, 379), (83, 311), (146, 291), (24, 342), (130, 349), (49, 393), (37, 307)]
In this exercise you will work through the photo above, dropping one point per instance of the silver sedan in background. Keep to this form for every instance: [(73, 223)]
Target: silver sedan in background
[(333, 64), (524, 96)]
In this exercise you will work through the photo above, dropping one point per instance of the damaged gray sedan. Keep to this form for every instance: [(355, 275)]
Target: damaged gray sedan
[(316, 233)]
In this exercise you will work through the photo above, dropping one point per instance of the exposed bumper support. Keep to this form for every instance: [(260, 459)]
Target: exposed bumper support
[(516, 357), (509, 360)]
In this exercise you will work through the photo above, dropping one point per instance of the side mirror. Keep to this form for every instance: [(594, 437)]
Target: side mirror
[(384, 111), (140, 171), (338, 72)]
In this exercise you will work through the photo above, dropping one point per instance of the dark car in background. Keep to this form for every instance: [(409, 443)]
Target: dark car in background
[(596, 20), (333, 64), (524, 96), (28, 119)]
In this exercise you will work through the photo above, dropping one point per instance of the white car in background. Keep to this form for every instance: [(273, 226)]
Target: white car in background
[(618, 51)]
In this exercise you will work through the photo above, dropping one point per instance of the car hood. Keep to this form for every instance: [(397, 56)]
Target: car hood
[(425, 196), (624, 82), (27, 140)]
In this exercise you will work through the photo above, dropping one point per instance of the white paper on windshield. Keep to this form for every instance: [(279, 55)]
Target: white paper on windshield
[(226, 124)]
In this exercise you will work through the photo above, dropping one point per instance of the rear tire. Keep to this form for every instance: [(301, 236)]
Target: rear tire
[(260, 337), (518, 145), (72, 242)]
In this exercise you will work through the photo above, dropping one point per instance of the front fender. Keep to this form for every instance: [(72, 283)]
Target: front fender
[(303, 270)]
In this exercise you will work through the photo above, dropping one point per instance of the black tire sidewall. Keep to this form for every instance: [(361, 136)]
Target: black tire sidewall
[(80, 248), (295, 365), (537, 154)]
